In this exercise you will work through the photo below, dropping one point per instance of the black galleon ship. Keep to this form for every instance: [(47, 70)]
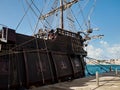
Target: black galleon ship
[(47, 57)]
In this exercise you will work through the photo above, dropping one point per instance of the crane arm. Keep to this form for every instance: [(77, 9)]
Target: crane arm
[(93, 37), (97, 36)]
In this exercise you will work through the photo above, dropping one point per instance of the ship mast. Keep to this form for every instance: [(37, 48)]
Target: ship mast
[(62, 8), (61, 15)]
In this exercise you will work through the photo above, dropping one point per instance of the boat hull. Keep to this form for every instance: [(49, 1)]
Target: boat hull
[(27, 61)]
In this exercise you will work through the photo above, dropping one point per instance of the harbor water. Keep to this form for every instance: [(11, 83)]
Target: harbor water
[(91, 69)]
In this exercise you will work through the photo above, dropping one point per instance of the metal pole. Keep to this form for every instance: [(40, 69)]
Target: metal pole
[(116, 71), (110, 68), (97, 79)]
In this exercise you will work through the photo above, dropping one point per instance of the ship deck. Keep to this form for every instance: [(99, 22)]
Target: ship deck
[(107, 81)]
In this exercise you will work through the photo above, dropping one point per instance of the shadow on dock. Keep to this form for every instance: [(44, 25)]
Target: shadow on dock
[(107, 81)]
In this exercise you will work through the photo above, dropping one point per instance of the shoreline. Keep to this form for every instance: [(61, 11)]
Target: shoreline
[(103, 64)]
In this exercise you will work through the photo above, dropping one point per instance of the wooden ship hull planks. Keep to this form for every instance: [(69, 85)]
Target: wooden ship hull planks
[(31, 60)]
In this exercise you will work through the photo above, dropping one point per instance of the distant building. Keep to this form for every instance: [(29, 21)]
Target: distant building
[(115, 61), (111, 61)]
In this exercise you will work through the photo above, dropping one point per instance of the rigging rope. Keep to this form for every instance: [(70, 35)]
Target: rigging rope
[(100, 65), (35, 6), (36, 27), (31, 8), (92, 9), (81, 10), (18, 26), (51, 18), (23, 16), (27, 17), (76, 20), (40, 12), (91, 74), (70, 18)]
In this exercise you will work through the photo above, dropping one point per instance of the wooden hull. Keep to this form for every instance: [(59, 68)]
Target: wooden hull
[(27, 61)]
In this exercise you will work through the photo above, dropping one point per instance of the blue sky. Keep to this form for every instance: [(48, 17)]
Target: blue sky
[(106, 16)]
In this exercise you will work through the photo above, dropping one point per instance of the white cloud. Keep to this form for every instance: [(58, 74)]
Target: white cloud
[(107, 51), (104, 43), (114, 51), (94, 52)]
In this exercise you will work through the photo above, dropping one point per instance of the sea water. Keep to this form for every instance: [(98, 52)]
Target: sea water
[(91, 69)]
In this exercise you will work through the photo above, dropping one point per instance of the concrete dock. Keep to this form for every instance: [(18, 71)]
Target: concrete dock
[(107, 81)]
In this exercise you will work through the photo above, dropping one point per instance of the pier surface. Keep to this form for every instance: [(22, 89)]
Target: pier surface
[(107, 81)]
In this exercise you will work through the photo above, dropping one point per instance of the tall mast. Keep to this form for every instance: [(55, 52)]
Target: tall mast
[(61, 15), (61, 9)]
